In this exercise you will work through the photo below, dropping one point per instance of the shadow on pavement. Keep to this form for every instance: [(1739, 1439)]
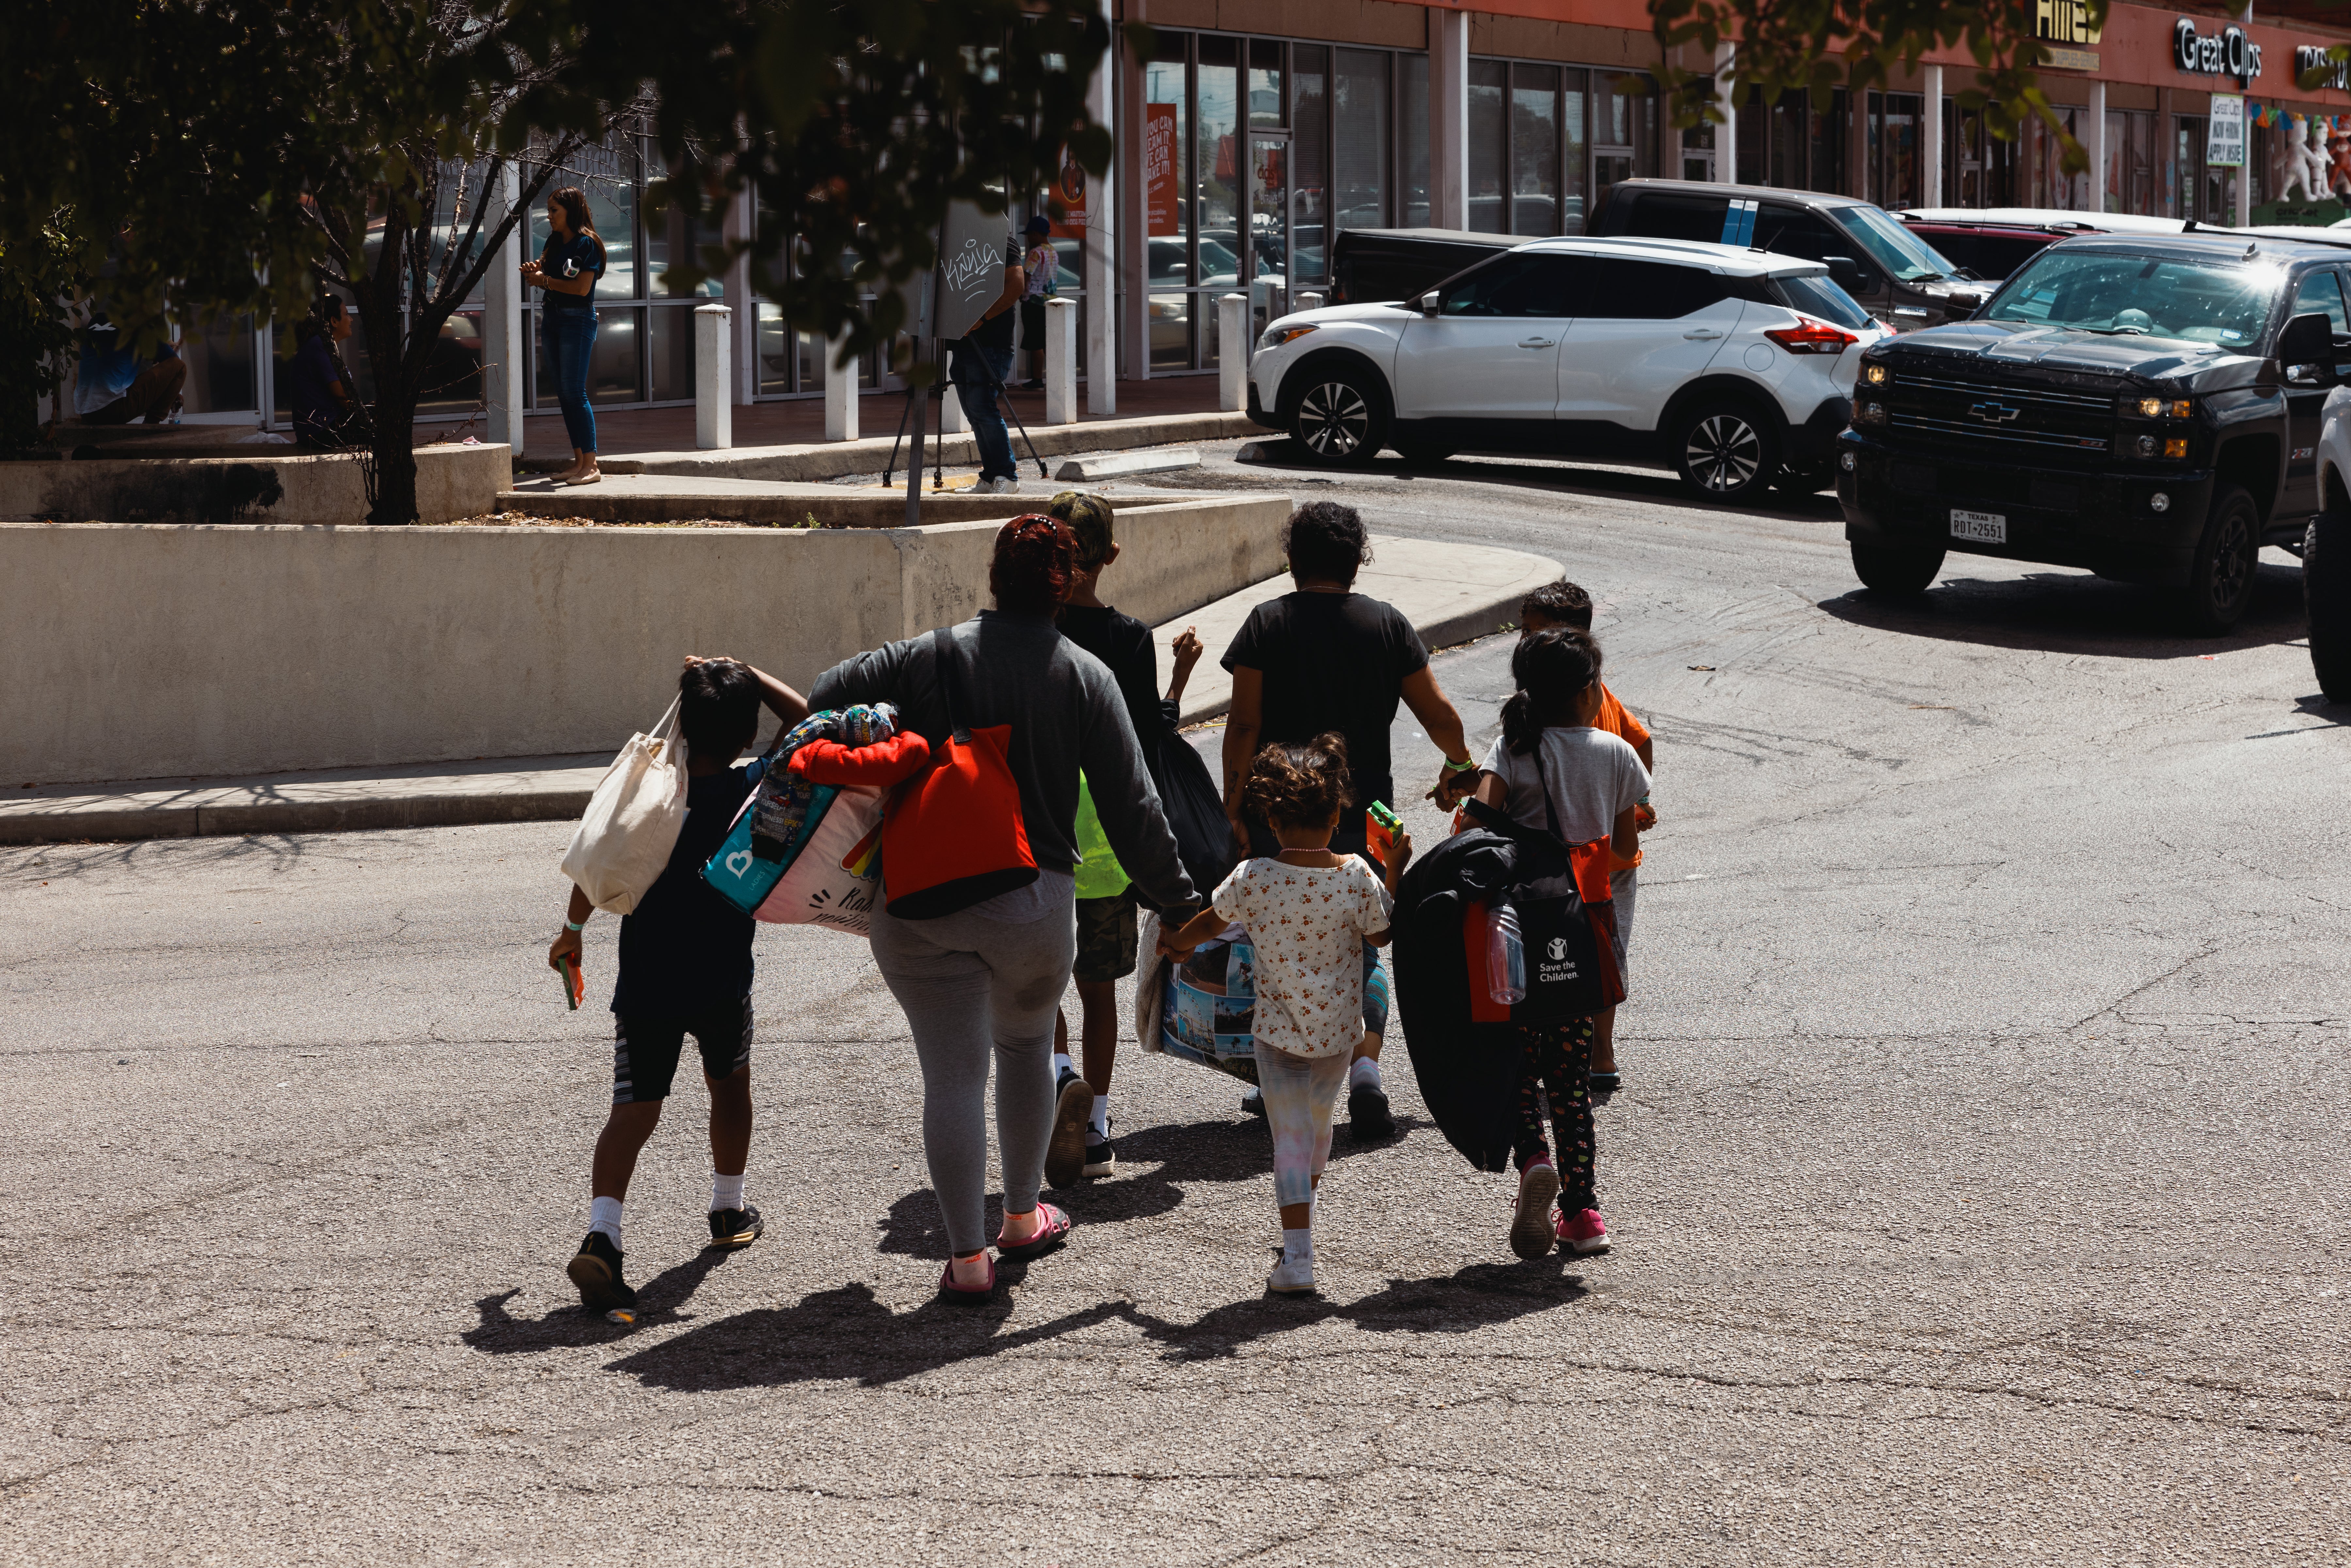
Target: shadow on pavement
[(1534, 472), (658, 1301), (2063, 611), (848, 1334), (1181, 1155)]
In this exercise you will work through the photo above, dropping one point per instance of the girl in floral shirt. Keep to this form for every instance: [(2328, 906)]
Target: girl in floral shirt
[(1308, 913)]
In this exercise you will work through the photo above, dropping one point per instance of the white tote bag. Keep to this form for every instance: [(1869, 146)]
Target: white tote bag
[(624, 838)]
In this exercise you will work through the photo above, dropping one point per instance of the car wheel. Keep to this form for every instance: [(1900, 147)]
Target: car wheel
[(2327, 590), (2220, 582), (1798, 480), (1900, 571), (1726, 452), (1342, 419), (1424, 453)]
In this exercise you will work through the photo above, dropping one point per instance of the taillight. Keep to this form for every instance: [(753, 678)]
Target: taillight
[(1812, 336)]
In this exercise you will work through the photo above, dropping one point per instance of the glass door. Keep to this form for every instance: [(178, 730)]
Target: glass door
[(1266, 258)]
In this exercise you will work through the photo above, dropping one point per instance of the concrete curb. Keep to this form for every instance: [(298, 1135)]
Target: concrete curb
[(1453, 593), (835, 459)]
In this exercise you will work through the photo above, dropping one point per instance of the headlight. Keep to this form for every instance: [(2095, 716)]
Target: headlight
[(1846, 461), (2164, 408), (1876, 375), (2158, 502), (1277, 335)]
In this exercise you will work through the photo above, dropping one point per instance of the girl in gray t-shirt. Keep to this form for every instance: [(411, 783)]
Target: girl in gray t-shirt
[(1554, 771)]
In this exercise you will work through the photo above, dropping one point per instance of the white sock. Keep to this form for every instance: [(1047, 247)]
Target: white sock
[(1061, 1065), (604, 1215), (1365, 1073), (725, 1191), (1102, 1116), (1298, 1245)]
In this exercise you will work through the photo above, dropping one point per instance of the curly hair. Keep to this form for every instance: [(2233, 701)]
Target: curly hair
[(1552, 668), (1035, 561), (1326, 540), (1563, 603), (1300, 784), (718, 706)]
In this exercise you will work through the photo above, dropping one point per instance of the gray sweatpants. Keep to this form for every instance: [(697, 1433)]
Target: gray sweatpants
[(969, 985)]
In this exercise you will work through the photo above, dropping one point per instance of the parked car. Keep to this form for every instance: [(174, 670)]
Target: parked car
[(2145, 407), (1732, 367), (1898, 277), (1993, 243), (1369, 266)]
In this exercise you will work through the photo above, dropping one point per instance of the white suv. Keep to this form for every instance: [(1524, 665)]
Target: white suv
[(1732, 367)]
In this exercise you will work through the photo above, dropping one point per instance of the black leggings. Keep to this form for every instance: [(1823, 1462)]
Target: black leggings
[(1556, 1060)]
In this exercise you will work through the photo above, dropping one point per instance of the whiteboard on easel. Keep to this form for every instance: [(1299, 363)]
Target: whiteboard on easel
[(974, 249)]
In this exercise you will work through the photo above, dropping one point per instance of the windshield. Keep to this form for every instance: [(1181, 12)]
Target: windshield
[(1824, 297), (1894, 248), (2138, 295)]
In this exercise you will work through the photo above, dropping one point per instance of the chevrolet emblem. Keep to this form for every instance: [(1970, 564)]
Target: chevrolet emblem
[(1992, 413)]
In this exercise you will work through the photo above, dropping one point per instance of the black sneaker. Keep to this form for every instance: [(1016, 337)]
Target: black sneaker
[(1101, 1154), (1074, 1110), (1367, 1113), (596, 1270), (733, 1227)]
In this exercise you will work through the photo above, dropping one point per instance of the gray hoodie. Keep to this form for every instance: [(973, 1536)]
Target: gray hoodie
[(1066, 713)]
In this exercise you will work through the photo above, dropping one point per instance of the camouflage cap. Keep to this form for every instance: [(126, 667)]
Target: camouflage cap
[(1089, 518)]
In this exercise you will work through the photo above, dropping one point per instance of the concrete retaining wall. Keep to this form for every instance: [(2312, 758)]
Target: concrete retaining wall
[(325, 488), (145, 652)]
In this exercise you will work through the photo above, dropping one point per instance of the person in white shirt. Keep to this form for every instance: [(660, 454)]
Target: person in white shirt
[(1308, 911)]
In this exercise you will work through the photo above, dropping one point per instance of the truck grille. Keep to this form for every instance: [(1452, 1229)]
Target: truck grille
[(2066, 425)]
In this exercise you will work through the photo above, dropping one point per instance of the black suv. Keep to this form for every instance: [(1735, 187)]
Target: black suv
[(2144, 407)]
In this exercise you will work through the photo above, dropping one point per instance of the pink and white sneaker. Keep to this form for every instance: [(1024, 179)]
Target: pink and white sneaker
[(1583, 1232)]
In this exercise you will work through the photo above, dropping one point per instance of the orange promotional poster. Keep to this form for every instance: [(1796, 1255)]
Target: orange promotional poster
[(1159, 168)]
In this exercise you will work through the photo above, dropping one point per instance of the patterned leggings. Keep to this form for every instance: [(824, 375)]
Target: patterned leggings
[(1556, 1060)]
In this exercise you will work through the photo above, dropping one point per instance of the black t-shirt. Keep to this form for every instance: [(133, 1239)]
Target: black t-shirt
[(997, 332), (686, 951), (568, 258), (1124, 644), (1333, 661), (305, 380)]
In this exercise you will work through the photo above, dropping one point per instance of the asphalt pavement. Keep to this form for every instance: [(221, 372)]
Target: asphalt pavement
[(1978, 1179)]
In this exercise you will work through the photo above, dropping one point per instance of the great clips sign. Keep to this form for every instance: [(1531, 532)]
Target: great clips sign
[(2225, 53)]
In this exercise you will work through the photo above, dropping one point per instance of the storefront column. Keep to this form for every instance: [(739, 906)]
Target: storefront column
[(743, 325), (2167, 148), (1131, 305), (1858, 151), (1099, 276), (1448, 117), (1726, 135), (1930, 136), (2096, 143), (2244, 181), (502, 319)]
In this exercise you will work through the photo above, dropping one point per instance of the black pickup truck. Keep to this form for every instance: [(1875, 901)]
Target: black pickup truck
[(2145, 407)]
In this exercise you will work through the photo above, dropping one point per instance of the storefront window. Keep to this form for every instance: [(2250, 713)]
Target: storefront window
[(1360, 142), (1575, 151), (1624, 132), (1488, 82), (1412, 157), (1895, 174), (1534, 149), (1828, 134), (1167, 198), (2129, 183), (1697, 146), (220, 361), (1265, 84), (1219, 151), (1309, 161)]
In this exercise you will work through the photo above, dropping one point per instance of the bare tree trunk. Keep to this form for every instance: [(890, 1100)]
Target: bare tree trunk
[(394, 494)]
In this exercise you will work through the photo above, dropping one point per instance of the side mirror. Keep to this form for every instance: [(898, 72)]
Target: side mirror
[(1849, 276), (1431, 303), (2306, 350)]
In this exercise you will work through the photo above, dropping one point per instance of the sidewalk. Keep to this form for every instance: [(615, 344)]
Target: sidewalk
[(1451, 592)]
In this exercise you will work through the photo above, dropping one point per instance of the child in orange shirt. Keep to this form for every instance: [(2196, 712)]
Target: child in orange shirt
[(1564, 604)]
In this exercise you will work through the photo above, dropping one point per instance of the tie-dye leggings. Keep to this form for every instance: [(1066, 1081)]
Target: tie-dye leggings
[(1300, 1091)]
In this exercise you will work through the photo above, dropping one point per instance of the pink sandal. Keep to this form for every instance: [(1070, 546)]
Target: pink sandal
[(961, 1297), (1052, 1232)]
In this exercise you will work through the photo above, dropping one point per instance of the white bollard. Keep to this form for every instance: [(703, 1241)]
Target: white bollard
[(1308, 300), (713, 379), (1060, 361), (1232, 352), (840, 395)]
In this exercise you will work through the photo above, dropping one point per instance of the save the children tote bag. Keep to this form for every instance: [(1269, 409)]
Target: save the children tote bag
[(624, 838)]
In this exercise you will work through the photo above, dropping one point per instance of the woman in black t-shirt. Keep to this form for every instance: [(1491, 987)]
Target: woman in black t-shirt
[(567, 269)]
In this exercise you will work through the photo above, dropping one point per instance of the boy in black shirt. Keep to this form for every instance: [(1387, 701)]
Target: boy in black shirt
[(1081, 1143), (686, 969)]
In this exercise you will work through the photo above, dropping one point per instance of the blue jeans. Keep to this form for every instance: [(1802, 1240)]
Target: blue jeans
[(974, 385), (572, 335)]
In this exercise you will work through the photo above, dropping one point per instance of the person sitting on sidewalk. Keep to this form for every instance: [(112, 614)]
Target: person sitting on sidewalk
[(323, 406), (981, 364), (1564, 604), (1081, 1146), (114, 384), (1328, 658), (684, 969)]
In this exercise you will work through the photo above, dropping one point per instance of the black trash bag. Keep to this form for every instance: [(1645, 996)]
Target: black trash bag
[(1196, 813)]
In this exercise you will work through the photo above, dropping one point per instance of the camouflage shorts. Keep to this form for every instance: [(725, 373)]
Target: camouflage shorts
[(1105, 938)]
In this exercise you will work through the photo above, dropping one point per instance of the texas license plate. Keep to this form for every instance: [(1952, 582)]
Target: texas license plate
[(1984, 527)]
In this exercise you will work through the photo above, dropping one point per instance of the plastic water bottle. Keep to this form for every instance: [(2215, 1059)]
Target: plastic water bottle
[(1505, 957)]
